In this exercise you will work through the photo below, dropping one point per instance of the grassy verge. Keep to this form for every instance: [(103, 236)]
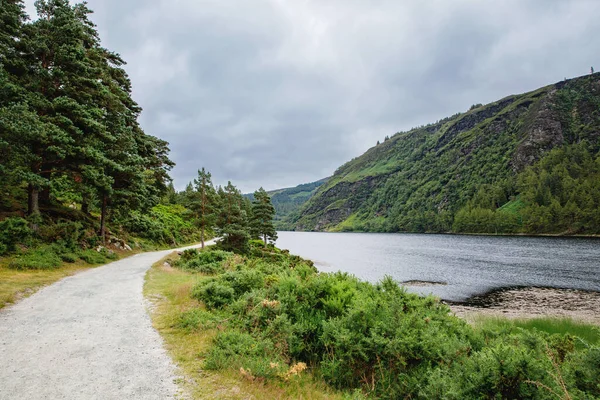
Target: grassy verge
[(588, 333), (169, 290), (18, 284)]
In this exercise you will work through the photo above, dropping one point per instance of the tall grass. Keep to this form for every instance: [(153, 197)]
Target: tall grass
[(587, 333)]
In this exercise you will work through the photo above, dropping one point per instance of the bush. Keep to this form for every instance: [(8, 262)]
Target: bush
[(68, 234), (13, 231), (168, 224), (92, 256), (584, 371), (188, 254), (207, 262), (69, 257), (38, 259), (255, 358), (197, 319), (213, 294), (242, 281)]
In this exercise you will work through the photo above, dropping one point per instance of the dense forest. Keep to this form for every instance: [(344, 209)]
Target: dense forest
[(525, 164), (77, 171)]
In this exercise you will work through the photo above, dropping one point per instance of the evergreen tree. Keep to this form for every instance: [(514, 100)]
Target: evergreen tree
[(63, 82), (232, 221), (262, 217), (205, 202)]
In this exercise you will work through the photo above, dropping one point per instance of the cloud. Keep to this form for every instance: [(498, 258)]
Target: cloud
[(275, 93)]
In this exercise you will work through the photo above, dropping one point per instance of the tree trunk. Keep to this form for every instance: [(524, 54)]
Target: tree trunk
[(103, 219), (202, 236), (33, 198), (85, 207), (265, 238), (44, 196)]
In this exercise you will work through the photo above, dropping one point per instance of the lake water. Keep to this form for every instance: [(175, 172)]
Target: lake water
[(468, 264)]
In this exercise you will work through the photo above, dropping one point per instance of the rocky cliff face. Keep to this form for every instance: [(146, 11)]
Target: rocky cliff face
[(418, 179)]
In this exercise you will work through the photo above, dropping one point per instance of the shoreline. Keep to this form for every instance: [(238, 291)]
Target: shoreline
[(532, 235), (531, 302)]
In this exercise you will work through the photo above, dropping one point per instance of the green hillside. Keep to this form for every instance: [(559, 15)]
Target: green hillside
[(524, 164)]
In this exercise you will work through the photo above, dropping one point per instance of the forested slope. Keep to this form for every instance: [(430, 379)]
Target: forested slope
[(527, 163)]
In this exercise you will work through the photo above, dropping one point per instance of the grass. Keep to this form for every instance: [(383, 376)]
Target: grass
[(18, 284), (15, 285), (590, 334), (169, 291), (513, 207)]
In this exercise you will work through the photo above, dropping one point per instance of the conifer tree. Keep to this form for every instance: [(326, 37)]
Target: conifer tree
[(205, 202), (232, 221), (262, 217), (64, 84)]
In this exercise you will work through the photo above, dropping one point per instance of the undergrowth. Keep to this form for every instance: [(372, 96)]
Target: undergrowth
[(271, 313)]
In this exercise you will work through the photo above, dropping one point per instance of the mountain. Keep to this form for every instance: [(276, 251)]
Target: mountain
[(288, 201), (524, 164)]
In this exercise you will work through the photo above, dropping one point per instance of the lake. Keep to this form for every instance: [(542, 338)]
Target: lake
[(468, 264)]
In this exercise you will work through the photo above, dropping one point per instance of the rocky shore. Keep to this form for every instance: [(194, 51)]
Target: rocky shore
[(532, 302)]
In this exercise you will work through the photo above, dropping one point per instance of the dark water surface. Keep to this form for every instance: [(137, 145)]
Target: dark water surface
[(469, 264)]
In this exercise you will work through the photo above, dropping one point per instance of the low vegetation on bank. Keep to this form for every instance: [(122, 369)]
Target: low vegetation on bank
[(266, 319)]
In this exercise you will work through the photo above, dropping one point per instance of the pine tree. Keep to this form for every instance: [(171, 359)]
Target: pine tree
[(16, 119), (232, 221), (205, 202), (63, 83), (262, 217), (12, 18)]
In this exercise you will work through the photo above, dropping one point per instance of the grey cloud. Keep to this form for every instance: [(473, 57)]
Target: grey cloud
[(275, 93)]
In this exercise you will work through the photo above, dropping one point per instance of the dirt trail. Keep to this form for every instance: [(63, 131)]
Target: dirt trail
[(87, 336)]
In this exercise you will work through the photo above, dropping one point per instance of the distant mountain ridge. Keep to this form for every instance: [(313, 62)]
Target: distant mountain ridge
[(288, 201), (470, 172)]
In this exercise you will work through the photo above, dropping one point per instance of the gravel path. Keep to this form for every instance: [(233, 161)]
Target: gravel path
[(87, 336)]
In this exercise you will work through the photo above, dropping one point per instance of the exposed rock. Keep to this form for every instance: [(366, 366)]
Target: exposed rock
[(543, 132), (525, 303), (423, 283)]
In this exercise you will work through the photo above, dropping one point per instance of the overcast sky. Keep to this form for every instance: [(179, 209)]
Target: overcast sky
[(275, 93)]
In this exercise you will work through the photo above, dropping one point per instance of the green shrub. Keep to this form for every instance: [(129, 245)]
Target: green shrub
[(40, 258), (169, 224), (213, 294), (583, 370), (509, 367), (68, 234), (198, 319), (108, 254), (207, 261), (69, 257), (188, 254), (13, 231), (92, 256), (235, 349), (242, 281), (389, 338)]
